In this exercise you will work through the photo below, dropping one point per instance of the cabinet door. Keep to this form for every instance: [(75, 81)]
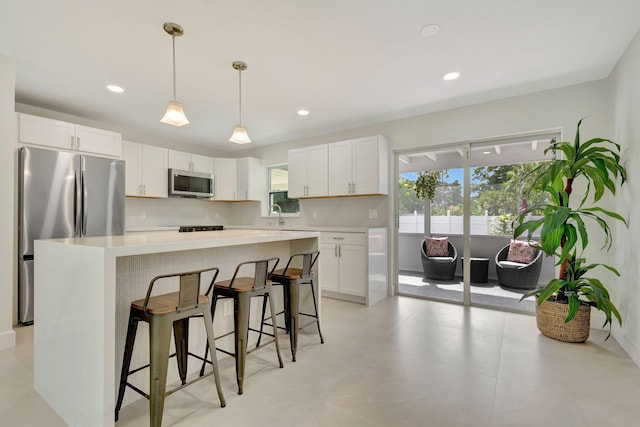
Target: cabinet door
[(340, 164), (202, 164), (179, 160), (131, 156), (365, 166), (155, 171), (225, 179), (353, 269), (48, 132), (328, 267), (251, 180), (98, 141), (317, 171), (297, 172)]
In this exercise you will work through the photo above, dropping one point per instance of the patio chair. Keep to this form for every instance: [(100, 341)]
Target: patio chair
[(439, 267), (517, 275)]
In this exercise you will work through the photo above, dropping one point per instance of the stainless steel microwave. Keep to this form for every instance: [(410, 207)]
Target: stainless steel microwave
[(190, 184)]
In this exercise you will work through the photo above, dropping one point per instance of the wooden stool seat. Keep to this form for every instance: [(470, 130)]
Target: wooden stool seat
[(290, 273), (163, 304)]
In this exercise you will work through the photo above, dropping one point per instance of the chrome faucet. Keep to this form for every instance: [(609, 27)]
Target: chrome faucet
[(280, 220)]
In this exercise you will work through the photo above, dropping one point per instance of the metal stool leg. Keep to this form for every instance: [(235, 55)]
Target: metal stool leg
[(242, 302), (208, 323), (132, 328), (275, 329), (181, 339), (159, 340), (264, 311), (293, 292), (315, 307)]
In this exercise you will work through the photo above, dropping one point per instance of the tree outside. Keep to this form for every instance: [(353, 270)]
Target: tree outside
[(496, 191)]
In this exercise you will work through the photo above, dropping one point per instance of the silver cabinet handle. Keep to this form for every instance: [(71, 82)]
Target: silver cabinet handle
[(72, 142), (144, 189), (335, 251), (338, 238), (339, 251), (353, 188), (77, 142)]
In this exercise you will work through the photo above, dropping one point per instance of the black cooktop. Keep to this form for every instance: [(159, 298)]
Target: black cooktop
[(189, 228)]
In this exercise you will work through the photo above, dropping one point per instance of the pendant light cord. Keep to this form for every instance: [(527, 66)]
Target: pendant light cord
[(240, 96), (173, 40)]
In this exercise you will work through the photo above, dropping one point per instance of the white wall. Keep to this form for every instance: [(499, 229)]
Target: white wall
[(8, 162), (625, 84)]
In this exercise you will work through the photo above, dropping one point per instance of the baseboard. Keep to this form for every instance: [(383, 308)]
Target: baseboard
[(7, 339)]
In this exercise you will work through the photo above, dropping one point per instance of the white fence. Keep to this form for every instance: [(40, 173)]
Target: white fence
[(480, 225)]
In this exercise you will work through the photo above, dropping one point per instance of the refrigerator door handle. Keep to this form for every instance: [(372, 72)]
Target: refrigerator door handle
[(84, 207), (77, 208)]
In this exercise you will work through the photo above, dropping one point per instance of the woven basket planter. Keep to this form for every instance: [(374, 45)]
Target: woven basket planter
[(550, 317)]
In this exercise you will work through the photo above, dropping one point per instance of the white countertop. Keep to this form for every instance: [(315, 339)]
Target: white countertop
[(169, 241), (302, 228)]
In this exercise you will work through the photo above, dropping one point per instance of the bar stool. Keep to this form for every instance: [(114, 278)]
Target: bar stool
[(162, 313), (291, 278), (242, 289)]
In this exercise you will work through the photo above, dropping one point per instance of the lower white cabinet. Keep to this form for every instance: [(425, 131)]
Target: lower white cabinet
[(353, 265)]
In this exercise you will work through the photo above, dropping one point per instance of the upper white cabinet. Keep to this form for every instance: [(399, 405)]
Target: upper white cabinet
[(225, 179), (190, 162), (146, 169), (359, 166), (251, 180), (68, 136), (308, 169)]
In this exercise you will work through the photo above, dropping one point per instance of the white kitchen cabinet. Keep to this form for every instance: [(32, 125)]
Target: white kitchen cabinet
[(353, 265), (146, 169), (68, 136), (251, 179), (190, 162), (225, 172), (358, 166), (308, 168)]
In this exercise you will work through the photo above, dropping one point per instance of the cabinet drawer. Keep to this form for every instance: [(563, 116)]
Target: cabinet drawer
[(344, 238)]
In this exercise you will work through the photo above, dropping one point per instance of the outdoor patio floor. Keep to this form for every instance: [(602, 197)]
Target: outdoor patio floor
[(488, 294)]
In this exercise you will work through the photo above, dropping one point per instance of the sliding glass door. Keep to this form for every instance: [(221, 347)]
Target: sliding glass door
[(480, 188)]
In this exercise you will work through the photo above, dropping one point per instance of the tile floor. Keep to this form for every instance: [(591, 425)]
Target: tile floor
[(402, 362)]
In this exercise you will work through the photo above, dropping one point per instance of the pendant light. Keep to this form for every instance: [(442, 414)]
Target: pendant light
[(174, 114), (239, 135)]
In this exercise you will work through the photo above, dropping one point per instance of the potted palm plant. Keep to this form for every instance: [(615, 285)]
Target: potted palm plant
[(564, 304)]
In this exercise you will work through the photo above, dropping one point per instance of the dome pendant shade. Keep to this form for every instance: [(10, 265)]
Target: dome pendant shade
[(174, 114), (239, 135)]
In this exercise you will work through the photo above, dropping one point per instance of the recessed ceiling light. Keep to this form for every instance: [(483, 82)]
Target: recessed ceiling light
[(114, 88), (303, 112), (451, 76), (429, 30), (486, 152)]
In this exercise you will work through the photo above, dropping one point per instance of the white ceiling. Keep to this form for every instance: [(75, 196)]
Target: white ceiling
[(349, 62)]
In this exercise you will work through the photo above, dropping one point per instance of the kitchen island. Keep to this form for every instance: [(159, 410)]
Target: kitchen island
[(83, 288)]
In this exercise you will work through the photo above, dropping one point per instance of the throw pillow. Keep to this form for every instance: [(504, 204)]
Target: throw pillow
[(522, 251), (437, 246)]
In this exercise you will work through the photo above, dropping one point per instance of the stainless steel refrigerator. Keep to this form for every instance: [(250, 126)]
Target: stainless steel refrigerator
[(63, 194)]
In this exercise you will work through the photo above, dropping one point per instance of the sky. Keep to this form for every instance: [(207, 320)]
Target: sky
[(454, 174)]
